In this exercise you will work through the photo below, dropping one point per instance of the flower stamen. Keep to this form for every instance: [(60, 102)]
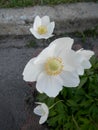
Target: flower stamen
[(42, 30), (54, 66)]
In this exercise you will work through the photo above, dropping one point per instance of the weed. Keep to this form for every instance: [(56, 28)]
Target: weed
[(31, 44)]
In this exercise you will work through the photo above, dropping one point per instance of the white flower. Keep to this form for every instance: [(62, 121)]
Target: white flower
[(43, 111), (42, 27), (54, 68), (85, 57)]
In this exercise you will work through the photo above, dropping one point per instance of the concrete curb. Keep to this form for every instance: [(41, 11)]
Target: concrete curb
[(68, 18)]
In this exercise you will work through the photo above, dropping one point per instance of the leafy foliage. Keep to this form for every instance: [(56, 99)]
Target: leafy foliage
[(75, 108)]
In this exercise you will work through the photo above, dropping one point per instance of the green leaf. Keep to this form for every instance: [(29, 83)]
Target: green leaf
[(72, 103), (82, 81)]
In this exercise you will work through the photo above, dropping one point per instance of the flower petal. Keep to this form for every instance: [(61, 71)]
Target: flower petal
[(70, 79), (45, 20), (86, 64), (85, 53), (43, 119), (46, 36), (45, 108), (35, 33), (50, 27), (37, 22), (32, 71), (51, 85), (72, 61), (64, 43), (85, 56), (45, 116), (46, 53), (38, 110)]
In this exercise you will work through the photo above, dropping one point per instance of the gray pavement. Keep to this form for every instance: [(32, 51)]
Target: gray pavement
[(68, 18), (13, 90)]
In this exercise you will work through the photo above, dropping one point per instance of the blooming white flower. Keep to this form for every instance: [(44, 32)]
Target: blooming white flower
[(42, 27), (53, 68), (43, 111)]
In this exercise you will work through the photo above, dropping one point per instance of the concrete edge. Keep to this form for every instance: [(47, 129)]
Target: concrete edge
[(68, 18)]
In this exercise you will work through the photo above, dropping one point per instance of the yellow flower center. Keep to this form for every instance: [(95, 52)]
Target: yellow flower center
[(54, 66), (42, 30)]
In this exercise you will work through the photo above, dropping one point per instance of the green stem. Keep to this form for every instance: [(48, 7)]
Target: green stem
[(93, 122), (55, 104), (96, 99), (75, 122)]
